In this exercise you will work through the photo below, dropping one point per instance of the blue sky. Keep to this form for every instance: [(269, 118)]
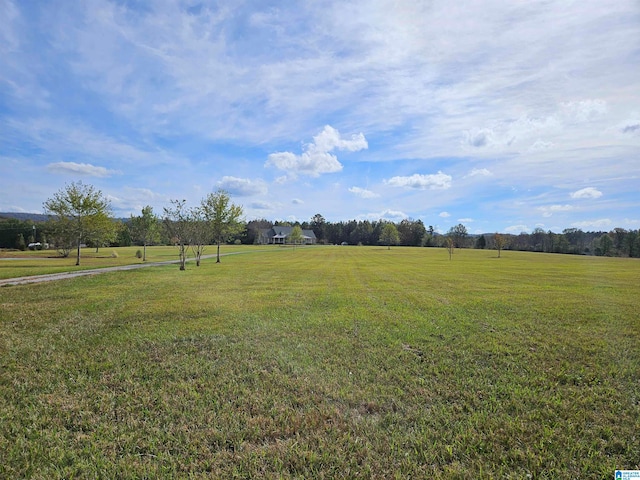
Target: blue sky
[(503, 116)]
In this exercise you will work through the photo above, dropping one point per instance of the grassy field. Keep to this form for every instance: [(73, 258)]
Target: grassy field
[(18, 264), (327, 362)]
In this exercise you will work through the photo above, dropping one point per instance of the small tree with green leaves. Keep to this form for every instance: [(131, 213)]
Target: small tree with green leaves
[(296, 236), (389, 235), (499, 241), (223, 218), (105, 231), (81, 212), (145, 229), (20, 243)]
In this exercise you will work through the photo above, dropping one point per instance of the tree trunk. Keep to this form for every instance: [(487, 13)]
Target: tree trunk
[(183, 257), (78, 256), (144, 252), (218, 260)]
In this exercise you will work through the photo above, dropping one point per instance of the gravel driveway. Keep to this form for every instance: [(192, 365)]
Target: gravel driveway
[(81, 273)]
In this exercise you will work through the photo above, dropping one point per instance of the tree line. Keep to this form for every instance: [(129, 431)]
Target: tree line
[(81, 215), (617, 242)]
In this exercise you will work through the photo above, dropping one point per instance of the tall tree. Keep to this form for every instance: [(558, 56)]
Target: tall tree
[(223, 217), (20, 243), (389, 235), (459, 234), (428, 240), (411, 232), (318, 225), (178, 226), (253, 229), (81, 211), (605, 244), (145, 229)]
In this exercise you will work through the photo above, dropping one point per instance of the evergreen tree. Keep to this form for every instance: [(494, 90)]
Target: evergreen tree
[(20, 243)]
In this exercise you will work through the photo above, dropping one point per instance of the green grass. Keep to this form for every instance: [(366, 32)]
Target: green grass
[(22, 264), (326, 362)]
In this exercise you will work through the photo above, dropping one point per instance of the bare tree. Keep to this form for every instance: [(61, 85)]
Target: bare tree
[(178, 225), (200, 233), (450, 244)]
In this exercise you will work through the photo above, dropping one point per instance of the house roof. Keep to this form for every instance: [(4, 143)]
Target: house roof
[(280, 231)]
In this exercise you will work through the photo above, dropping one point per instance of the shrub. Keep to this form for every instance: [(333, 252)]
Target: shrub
[(138, 253), (20, 243), (114, 254)]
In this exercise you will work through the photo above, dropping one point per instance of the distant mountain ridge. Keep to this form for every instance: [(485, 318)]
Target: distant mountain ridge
[(34, 217)]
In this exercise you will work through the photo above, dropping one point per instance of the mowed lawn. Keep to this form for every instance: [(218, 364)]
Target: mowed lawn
[(42, 262), (326, 362)]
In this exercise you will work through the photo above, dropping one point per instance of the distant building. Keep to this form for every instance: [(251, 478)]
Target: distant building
[(279, 235)]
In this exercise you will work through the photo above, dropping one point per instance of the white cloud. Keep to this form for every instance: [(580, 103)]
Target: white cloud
[(549, 210), (297, 201), (516, 229), (438, 181), (142, 193), (593, 224), (444, 215), (465, 220), (330, 139), (362, 192), (393, 214), (242, 187), (479, 172), (316, 159), (584, 110), (80, 169), (386, 215), (588, 192), (312, 164)]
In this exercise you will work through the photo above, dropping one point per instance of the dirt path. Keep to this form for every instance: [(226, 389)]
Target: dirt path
[(94, 271)]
